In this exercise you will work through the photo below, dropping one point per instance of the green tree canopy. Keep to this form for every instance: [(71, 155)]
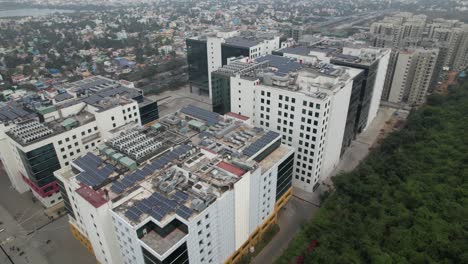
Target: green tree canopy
[(407, 202)]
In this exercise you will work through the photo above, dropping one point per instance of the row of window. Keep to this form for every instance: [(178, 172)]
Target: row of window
[(67, 139)]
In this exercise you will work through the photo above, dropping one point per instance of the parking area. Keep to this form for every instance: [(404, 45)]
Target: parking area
[(173, 100), (29, 236)]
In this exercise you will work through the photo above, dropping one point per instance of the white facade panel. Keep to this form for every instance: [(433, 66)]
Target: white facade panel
[(378, 87), (336, 126)]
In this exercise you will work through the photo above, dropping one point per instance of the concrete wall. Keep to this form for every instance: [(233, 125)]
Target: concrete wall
[(214, 57), (399, 78), (378, 87), (338, 108)]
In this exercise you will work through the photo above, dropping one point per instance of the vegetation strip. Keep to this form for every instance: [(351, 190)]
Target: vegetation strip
[(406, 203)]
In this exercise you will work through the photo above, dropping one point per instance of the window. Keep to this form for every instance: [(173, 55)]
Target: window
[(67, 139), (74, 136), (60, 142), (112, 118), (82, 133)]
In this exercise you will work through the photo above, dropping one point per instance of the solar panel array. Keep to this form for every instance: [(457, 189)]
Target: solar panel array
[(283, 64), (12, 112), (158, 206), (209, 117), (92, 175), (138, 175), (260, 143)]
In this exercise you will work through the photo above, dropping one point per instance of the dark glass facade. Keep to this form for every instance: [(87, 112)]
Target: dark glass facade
[(284, 180), (40, 164), (221, 93), (228, 51), (65, 198), (149, 112), (268, 151), (367, 90), (353, 108), (197, 65), (364, 94)]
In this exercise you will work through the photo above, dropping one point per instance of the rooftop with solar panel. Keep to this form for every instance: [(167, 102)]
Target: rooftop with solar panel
[(315, 80), (173, 169), (31, 130)]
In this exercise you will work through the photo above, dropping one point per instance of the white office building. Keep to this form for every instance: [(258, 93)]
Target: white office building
[(204, 191), (45, 138), (306, 104), (207, 53)]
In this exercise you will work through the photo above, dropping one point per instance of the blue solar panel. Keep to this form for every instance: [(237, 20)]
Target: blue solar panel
[(156, 215), (183, 214), (93, 175), (209, 117), (130, 215), (117, 187), (260, 143)]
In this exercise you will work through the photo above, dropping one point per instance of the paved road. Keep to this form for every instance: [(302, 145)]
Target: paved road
[(303, 206), (27, 228), (16, 247), (290, 218)]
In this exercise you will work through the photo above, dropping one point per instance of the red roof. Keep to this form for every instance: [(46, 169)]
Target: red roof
[(95, 198), (231, 168), (241, 117)]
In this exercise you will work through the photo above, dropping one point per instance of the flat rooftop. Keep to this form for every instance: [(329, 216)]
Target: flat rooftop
[(14, 112), (210, 154), (334, 50), (316, 80), (31, 131), (162, 244), (242, 42)]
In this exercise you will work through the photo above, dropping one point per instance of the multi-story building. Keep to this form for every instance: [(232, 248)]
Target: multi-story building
[(306, 104), (412, 75), (207, 53), (203, 189), (405, 30), (55, 133), (457, 52), (398, 31), (10, 115), (367, 87)]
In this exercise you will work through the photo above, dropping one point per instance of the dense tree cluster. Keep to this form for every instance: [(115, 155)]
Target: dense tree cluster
[(406, 203)]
